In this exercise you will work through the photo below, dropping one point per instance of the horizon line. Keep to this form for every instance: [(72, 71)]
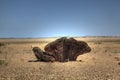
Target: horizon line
[(59, 36)]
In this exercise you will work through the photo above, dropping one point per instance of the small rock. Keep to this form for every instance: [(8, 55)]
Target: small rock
[(119, 63), (117, 58), (80, 60), (110, 55), (105, 50), (40, 68)]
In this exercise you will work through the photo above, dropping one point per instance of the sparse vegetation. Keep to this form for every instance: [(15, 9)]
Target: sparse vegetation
[(0, 52), (106, 40), (2, 44), (27, 42), (112, 49), (2, 62), (97, 42), (116, 51), (101, 64)]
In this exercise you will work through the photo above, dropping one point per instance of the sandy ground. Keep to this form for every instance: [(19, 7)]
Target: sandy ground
[(102, 63)]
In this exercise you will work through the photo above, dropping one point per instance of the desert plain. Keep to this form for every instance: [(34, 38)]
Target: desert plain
[(102, 63)]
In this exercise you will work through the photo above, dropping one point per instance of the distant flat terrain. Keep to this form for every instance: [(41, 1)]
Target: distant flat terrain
[(102, 63)]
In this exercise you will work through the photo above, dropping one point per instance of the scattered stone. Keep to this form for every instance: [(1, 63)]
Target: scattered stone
[(80, 61), (110, 55), (118, 63), (40, 68), (105, 50), (117, 58)]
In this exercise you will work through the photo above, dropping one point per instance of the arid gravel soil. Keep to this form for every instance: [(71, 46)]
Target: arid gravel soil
[(102, 63)]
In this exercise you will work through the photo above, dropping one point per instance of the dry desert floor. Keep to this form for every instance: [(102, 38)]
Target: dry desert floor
[(102, 63)]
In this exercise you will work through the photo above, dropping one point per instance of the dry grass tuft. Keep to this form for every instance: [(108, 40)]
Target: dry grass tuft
[(98, 42), (0, 52), (2, 44), (3, 62)]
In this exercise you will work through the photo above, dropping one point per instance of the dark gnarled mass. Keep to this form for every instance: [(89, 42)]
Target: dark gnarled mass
[(62, 50)]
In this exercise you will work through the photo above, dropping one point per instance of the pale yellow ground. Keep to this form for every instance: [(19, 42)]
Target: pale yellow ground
[(102, 63)]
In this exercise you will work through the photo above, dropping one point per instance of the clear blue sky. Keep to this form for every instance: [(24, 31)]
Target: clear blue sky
[(49, 18)]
